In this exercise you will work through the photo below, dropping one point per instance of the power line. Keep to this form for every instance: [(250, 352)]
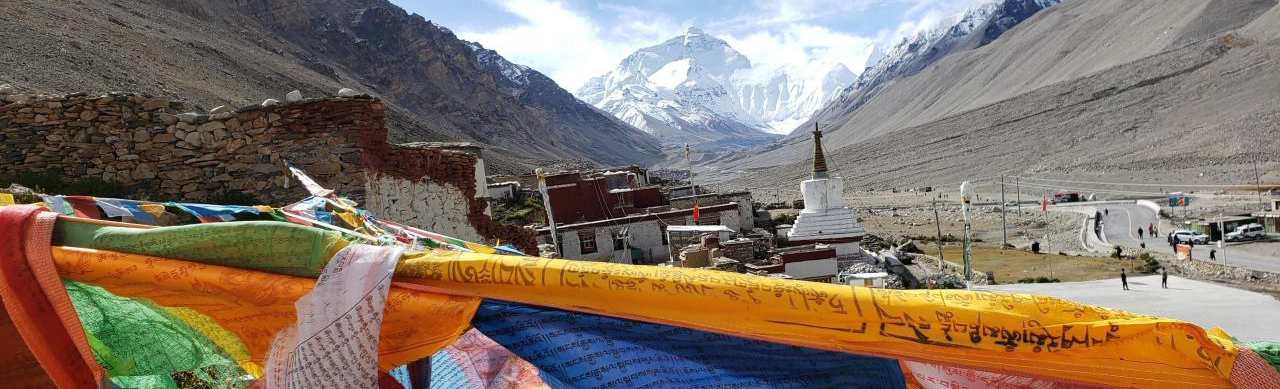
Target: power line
[(1132, 184)]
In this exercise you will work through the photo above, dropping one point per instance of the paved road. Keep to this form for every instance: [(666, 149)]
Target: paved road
[(1245, 315), (1121, 228)]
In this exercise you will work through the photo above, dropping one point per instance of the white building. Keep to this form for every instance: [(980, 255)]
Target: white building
[(503, 190), (634, 239), (825, 218)]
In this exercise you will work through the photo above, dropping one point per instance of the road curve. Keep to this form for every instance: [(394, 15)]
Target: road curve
[(1121, 223)]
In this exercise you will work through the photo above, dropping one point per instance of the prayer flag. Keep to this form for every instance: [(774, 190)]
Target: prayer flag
[(312, 187)]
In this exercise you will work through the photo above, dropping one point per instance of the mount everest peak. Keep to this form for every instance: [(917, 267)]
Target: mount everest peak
[(695, 88)]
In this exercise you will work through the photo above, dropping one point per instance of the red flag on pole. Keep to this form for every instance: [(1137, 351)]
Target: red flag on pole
[(695, 214)]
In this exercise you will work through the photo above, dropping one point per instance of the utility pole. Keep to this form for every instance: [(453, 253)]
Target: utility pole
[(966, 195), (1017, 186), (1257, 181), (1222, 237), (1004, 225), (937, 223)]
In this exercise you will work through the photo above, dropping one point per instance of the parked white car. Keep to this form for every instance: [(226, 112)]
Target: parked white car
[(1246, 232), (1186, 236)]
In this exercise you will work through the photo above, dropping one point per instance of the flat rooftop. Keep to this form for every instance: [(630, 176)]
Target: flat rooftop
[(1246, 315)]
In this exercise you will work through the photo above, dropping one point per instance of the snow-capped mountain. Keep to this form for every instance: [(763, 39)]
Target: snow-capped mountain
[(695, 88), (844, 120), (581, 127), (974, 28)]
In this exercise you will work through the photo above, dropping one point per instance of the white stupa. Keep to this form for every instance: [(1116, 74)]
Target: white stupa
[(825, 219)]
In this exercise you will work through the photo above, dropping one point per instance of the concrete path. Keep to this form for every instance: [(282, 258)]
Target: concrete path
[(1122, 223), (1246, 315)]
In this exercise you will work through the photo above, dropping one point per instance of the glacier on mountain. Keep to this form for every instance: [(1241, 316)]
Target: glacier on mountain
[(695, 88)]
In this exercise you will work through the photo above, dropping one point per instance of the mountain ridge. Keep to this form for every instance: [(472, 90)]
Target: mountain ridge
[(214, 53), (1079, 87)]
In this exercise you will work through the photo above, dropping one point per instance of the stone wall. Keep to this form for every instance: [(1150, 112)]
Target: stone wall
[(150, 146)]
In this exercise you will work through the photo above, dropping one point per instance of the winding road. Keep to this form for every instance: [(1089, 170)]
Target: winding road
[(1122, 221)]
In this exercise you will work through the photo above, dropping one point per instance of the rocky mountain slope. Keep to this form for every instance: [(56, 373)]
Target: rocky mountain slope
[(239, 52), (974, 28), (697, 89), (1144, 91), (1074, 39)]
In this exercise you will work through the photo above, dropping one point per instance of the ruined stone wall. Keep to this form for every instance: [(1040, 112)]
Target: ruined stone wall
[(151, 147)]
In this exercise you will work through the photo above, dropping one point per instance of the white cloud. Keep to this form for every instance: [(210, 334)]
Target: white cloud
[(923, 15), (566, 45), (569, 46), (803, 45)]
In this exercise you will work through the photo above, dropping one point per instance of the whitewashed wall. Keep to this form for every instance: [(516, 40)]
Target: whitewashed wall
[(441, 209)]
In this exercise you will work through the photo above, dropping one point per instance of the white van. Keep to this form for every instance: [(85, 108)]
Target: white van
[(1246, 232)]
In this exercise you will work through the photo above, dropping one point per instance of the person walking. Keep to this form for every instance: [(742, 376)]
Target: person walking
[(1213, 255), (1139, 233), (1164, 278), (1124, 280), (1151, 230)]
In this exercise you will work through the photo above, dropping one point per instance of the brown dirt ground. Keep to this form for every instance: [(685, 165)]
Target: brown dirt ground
[(1011, 265)]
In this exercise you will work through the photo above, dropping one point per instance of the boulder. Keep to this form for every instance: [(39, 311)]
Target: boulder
[(293, 97), (270, 103), (909, 247), (6, 89), (189, 117), (347, 92)]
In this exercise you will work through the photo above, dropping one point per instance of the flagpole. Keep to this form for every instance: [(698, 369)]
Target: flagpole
[(546, 205), (967, 193), (692, 186)]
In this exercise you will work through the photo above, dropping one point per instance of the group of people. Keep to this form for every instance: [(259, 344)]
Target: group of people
[(1164, 279), (1151, 231), (1164, 274)]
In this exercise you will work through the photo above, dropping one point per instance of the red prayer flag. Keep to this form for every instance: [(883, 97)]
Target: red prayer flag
[(695, 214), (1044, 205)]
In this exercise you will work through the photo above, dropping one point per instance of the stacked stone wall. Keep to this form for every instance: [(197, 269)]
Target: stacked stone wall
[(150, 146)]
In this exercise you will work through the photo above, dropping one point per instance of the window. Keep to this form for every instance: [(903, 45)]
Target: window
[(617, 241), (587, 241)]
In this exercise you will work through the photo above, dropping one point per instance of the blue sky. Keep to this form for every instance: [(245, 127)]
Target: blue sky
[(573, 40)]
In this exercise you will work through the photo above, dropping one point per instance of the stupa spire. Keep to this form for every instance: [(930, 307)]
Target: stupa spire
[(819, 160)]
